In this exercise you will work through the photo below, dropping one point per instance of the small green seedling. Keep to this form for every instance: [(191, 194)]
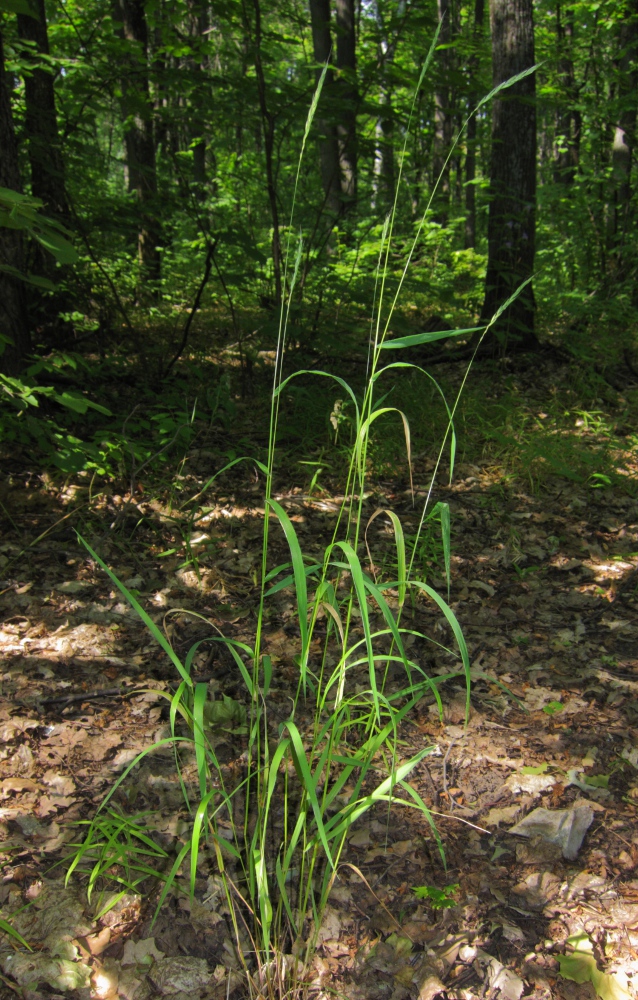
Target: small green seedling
[(440, 899), (552, 707), (536, 769), (597, 780)]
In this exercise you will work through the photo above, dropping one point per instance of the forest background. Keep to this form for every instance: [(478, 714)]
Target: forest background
[(149, 154)]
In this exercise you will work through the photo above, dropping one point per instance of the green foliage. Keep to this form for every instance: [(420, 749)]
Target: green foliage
[(19, 211), (116, 851), (580, 966), (440, 899), (553, 707)]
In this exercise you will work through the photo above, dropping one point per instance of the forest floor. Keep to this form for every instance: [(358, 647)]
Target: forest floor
[(545, 586)]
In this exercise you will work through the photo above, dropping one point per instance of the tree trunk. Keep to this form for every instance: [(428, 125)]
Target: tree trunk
[(470, 156), (347, 93), (46, 163), (619, 209), (268, 125), (139, 139), (200, 97), (568, 117), (512, 215), (41, 127), (442, 116), (14, 322), (383, 171), (328, 145)]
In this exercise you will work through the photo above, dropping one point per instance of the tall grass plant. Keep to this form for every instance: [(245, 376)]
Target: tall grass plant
[(305, 781)]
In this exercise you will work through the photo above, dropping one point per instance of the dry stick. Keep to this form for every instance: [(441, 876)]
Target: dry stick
[(45, 533), (114, 691), (136, 471), (90, 695), (445, 760), (459, 819), (348, 864), (201, 222), (210, 254), (102, 269), (268, 126)]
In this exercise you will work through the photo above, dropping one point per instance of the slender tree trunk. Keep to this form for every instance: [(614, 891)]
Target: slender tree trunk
[(197, 126), (442, 115), (568, 117), (470, 156), (139, 138), (512, 216), (383, 170), (619, 209), (14, 322), (329, 165), (46, 164), (268, 126), (347, 93), (41, 127)]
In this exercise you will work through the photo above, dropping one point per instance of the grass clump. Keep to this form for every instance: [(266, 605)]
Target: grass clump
[(277, 829)]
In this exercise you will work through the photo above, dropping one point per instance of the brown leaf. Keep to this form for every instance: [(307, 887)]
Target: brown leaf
[(10, 785)]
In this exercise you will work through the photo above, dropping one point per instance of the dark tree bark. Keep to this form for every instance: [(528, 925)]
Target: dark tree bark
[(329, 164), (139, 138), (347, 94), (14, 322), (198, 27), (46, 162), (619, 209), (268, 126), (470, 156), (442, 115), (384, 169), (568, 117), (512, 214), (41, 127)]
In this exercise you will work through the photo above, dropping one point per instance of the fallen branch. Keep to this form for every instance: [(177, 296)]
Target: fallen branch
[(210, 254)]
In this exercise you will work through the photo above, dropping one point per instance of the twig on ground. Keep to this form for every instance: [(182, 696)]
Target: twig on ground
[(91, 695), (445, 760), (459, 819), (210, 255)]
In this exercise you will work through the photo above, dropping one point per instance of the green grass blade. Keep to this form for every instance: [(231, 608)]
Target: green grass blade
[(303, 770), (335, 378), (399, 541), (229, 465), (12, 932), (263, 895), (379, 793), (443, 510), (290, 579), (414, 339), (354, 566), (200, 698), (283, 892), (458, 635), (159, 637), (170, 878), (200, 820), (299, 572), (505, 84), (428, 815), (266, 663)]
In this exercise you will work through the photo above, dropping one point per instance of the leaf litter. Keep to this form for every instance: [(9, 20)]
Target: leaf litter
[(535, 800)]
